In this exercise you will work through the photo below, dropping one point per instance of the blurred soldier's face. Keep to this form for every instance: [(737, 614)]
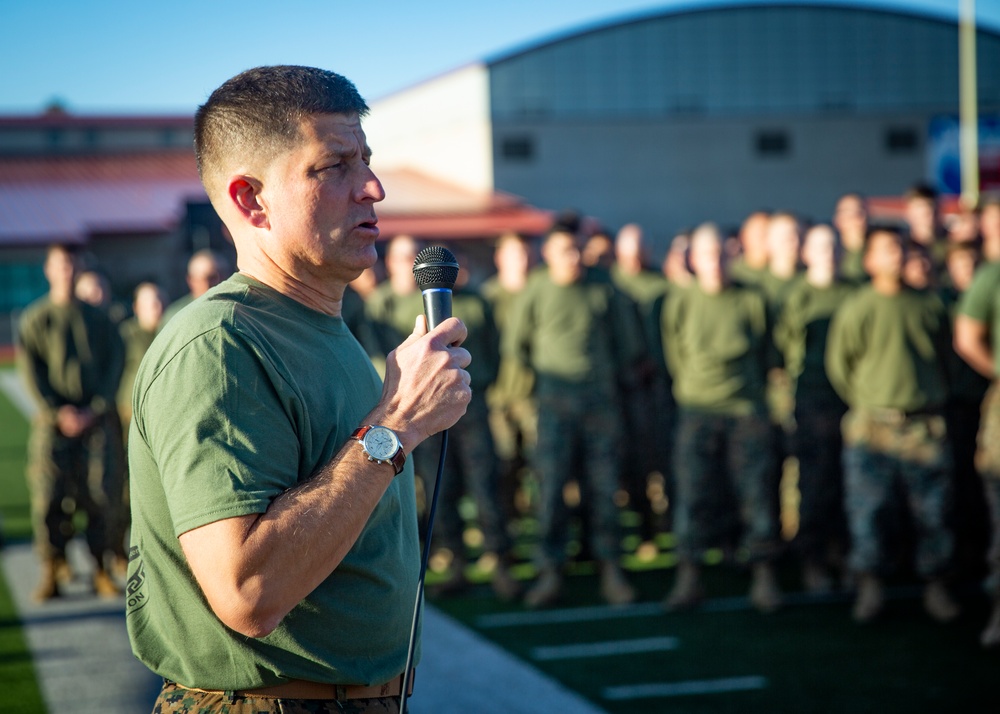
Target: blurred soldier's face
[(850, 216), (512, 257), (961, 268), (706, 257), (783, 240), (90, 288), (989, 227), (562, 256), (884, 256), (148, 307), (819, 252), (921, 214), (203, 274), (60, 271), (399, 257)]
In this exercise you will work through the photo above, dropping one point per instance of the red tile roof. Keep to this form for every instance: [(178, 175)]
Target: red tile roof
[(68, 197)]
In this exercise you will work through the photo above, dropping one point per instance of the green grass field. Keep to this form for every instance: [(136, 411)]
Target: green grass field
[(19, 693)]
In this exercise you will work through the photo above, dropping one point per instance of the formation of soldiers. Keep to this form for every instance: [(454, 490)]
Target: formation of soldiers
[(78, 352), (847, 363)]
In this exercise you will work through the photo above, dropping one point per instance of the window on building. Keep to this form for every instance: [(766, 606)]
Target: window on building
[(517, 148), (901, 140), (773, 143)]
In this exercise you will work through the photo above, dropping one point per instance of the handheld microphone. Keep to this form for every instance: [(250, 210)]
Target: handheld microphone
[(436, 271)]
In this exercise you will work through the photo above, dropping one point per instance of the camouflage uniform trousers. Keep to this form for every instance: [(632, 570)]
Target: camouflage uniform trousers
[(514, 425), (885, 450), (725, 485), (174, 699), (988, 465), (80, 473), (579, 429), (471, 467), (818, 445)]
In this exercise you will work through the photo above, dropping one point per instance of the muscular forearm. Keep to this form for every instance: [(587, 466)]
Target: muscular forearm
[(273, 560)]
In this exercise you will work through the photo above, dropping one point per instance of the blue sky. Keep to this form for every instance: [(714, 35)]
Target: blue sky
[(117, 57)]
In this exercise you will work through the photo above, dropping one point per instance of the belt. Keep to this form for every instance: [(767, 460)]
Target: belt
[(305, 689)]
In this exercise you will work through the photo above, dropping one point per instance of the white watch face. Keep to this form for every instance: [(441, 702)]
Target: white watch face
[(381, 443)]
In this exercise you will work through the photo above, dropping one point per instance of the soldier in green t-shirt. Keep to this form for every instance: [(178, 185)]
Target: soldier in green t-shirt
[(717, 340), (887, 358), (821, 537), (648, 407), (977, 340), (275, 555), (850, 218), (70, 357), (137, 333), (577, 333), (513, 415)]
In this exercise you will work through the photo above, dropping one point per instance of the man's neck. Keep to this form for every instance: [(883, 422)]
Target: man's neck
[(328, 300), (887, 284)]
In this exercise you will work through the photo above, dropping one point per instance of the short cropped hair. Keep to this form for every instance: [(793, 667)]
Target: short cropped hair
[(877, 228), (258, 113)]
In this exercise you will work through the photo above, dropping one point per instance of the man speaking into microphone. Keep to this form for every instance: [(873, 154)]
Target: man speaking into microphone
[(275, 559)]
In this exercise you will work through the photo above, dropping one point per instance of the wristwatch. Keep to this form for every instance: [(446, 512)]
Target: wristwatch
[(381, 445)]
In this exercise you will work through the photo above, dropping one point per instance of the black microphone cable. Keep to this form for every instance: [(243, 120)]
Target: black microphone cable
[(435, 270)]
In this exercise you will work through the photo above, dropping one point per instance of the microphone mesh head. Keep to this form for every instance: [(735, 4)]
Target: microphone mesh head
[(435, 267)]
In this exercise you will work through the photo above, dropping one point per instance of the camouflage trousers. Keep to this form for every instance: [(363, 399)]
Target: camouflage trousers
[(818, 446), (174, 699), (83, 473), (578, 433), (471, 469), (893, 463), (988, 465), (725, 485)]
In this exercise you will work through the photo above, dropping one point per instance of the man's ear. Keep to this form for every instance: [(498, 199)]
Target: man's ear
[(244, 195)]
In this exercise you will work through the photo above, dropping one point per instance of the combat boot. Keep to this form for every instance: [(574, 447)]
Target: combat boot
[(615, 589), (48, 586), (990, 636), (687, 592), (815, 578), (870, 598), (939, 603), (104, 584), (765, 595), (546, 590), (503, 583)]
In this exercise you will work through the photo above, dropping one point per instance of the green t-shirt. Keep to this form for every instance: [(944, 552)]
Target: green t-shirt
[(718, 349), (246, 394), (890, 351), (69, 355), (586, 334), (137, 342), (981, 302), (801, 333)]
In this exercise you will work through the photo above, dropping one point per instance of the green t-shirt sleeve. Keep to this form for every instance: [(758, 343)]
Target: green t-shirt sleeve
[(843, 348), (979, 301), (226, 453)]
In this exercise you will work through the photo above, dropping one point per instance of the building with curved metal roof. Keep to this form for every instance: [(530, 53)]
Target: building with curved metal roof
[(704, 113)]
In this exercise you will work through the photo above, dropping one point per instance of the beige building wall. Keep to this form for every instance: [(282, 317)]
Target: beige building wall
[(440, 128)]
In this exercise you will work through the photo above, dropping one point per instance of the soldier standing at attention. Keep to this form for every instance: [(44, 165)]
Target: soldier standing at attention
[(821, 538), (887, 358), (717, 339), (977, 340), (513, 417), (70, 357), (577, 333)]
